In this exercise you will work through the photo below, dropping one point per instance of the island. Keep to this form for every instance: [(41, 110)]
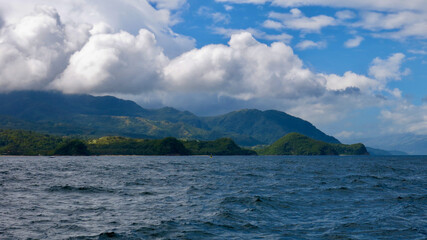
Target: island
[(22, 142), (298, 144)]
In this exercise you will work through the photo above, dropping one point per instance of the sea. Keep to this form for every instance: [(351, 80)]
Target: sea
[(223, 197)]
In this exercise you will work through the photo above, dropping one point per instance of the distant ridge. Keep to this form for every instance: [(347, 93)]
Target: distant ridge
[(36, 105), (380, 152), (412, 144), (82, 114)]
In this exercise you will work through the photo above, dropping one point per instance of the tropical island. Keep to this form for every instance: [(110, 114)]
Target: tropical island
[(21, 142)]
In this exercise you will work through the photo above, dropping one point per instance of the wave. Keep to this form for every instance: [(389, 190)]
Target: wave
[(81, 189)]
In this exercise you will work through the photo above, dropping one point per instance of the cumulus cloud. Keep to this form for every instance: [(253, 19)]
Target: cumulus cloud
[(388, 69), (352, 80), (35, 49), (296, 20), (114, 63), (244, 69), (307, 44), (353, 42), (129, 16), (41, 51)]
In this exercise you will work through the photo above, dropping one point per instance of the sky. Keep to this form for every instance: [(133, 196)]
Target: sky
[(352, 68)]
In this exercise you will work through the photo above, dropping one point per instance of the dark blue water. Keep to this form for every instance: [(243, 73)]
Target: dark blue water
[(213, 198)]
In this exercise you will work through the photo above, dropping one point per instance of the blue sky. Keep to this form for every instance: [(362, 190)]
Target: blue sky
[(201, 18), (353, 68)]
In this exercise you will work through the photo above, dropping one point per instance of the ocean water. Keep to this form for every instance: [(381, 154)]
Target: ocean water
[(255, 197)]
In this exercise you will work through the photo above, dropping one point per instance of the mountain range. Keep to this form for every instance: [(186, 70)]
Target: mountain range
[(92, 116)]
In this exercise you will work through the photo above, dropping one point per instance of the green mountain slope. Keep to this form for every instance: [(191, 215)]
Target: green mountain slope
[(35, 105), (298, 144), (175, 116), (85, 115), (265, 126)]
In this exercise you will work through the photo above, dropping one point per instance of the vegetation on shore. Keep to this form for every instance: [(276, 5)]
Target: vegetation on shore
[(131, 146), (20, 142), (222, 146), (74, 147), (298, 144)]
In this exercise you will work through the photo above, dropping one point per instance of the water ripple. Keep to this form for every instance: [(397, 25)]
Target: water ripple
[(198, 197)]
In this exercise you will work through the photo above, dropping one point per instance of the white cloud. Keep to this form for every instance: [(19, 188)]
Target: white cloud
[(228, 32), (333, 107), (296, 20), (345, 15), (36, 49), (272, 24), (228, 7), (417, 51), (114, 63), (307, 44), (245, 69), (129, 16), (168, 4), (217, 17), (244, 1), (377, 21), (397, 93), (399, 25), (283, 37), (406, 118), (352, 80), (388, 69), (353, 42), (393, 19)]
